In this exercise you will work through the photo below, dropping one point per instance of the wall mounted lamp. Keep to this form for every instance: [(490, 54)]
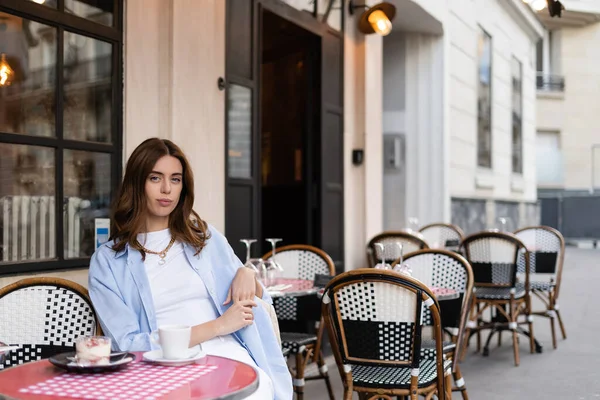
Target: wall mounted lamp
[(375, 19), (6, 72)]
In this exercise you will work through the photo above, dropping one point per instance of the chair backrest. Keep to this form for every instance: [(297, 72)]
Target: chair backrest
[(446, 236), (493, 257), (411, 241), (44, 316), (546, 248), (301, 261), (438, 268), (449, 270), (373, 317)]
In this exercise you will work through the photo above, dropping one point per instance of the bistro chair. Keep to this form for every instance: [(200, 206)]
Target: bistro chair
[(493, 257), (411, 241), (374, 322), (443, 236), (44, 316), (302, 262), (449, 270), (546, 256)]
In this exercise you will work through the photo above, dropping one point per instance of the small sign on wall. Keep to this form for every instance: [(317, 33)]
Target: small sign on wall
[(101, 231)]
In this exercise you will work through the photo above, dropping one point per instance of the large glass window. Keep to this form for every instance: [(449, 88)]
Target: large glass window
[(484, 100), (60, 135), (517, 116)]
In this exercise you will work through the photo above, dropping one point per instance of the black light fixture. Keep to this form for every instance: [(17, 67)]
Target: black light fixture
[(375, 19), (555, 8)]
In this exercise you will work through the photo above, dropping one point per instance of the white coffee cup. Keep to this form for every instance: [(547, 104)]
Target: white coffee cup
[(174, 341)]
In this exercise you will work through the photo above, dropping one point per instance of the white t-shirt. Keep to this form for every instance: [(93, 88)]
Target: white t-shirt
[(180, 297)]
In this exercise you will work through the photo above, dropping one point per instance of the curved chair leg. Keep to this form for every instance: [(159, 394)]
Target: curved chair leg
[(516, 347), (560, 323), (347, 394), (299, 378), (512, 319), (448, 387), (460, 383), (531, 335), (553, 331), (323, 372)]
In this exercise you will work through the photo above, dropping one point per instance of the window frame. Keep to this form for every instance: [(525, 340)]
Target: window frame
[(63, 21), (517, 118), (489, 164)]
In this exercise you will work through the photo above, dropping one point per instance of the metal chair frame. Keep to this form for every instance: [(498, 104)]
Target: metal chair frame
[(550, 297)]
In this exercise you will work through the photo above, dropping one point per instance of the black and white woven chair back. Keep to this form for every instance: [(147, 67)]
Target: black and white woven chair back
[(43, 321), (410, 243), (301, 263), (441, 269), (546, 247), (376, 319), (442, 236), (493, 258)]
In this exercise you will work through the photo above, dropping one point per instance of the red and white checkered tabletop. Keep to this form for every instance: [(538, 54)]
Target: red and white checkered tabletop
[(211, 377)]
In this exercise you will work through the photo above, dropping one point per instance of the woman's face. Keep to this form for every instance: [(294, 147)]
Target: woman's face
[(163, 187)]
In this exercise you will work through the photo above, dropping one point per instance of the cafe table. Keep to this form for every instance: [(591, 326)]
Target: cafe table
[(301, 287), (211, 377)]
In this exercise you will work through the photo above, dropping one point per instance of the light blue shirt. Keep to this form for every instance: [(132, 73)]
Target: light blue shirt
[(121, 295)]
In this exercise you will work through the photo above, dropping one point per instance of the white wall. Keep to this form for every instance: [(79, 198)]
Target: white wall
[(509, 38), (363, 70), (581, 109), (414, 105), (174, 53)]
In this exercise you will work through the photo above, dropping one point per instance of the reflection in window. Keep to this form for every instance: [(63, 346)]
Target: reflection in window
[(239, 129), (87, 88), (302, 5), (27, 99), (100, 11), (27, 203), (330, 11), (87, 190), (484, 100), (517, 116), (47, 3)]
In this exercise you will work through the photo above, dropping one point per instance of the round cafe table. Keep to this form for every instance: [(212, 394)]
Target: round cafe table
[(211, 377)]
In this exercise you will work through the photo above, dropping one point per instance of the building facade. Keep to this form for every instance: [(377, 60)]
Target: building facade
[(459, 114), (435, 121), (568, 141)]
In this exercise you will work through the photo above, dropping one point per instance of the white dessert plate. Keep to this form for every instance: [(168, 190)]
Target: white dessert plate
[(117, 361), (156, 356)]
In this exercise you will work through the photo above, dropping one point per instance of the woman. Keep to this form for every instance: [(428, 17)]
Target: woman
[(164, 265)]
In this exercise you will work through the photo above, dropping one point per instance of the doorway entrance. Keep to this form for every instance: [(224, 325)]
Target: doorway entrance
[(284, 122), (289, 121)]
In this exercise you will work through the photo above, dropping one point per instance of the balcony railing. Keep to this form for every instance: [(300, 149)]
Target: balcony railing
[(550, 83)]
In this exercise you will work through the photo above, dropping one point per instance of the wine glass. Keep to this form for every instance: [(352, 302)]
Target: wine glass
[(382, 264), (501, 225), (272, 267), (413, 224), (255, 264)]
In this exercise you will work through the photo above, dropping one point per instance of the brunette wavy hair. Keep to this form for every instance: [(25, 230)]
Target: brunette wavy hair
[(129, 210)]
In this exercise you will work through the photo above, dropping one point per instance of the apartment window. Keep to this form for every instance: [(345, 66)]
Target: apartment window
[(60, 129), (549, 159), (484, 100), (517, 116)]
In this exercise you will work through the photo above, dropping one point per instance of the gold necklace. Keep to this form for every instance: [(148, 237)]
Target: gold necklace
[(161, 254)]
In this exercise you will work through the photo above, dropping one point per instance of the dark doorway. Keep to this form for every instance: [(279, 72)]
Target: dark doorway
[(289, 133)]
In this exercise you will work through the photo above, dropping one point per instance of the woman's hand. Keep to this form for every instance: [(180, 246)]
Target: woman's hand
[(243, 286), (238, 316)]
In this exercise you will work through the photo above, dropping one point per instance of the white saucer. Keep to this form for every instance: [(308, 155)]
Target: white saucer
[(156, 356)]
